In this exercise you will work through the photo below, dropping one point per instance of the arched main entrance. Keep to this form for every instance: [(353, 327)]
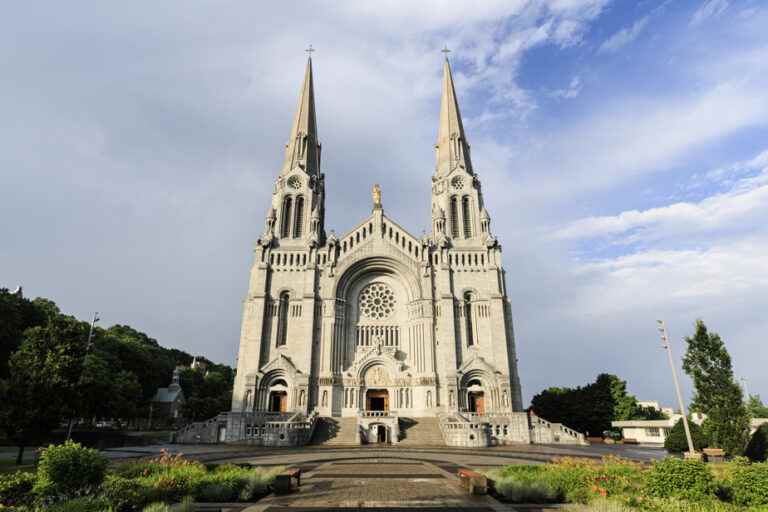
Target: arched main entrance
[(377, 400), (475, 397), (278, 401), (278, 396)]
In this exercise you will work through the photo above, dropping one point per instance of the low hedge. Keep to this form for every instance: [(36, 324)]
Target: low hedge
[(749, 484)]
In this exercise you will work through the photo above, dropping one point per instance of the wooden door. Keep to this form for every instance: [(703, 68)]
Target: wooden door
[(480, 403)]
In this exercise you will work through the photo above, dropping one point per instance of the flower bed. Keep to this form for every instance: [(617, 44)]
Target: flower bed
[(73, 478), (617, 484)]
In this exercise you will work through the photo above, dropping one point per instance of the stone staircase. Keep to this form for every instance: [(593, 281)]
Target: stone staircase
[(336, 432), (420, 432)]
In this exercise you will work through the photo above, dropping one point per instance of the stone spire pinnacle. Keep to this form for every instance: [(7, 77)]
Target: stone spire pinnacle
[(303, 148), (452, 147)]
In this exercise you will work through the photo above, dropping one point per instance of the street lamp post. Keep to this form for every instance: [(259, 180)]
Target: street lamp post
[(665, 344), (746, 389), (87, 349)]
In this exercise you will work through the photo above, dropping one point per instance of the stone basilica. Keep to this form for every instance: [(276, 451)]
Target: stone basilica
[(377, 328)]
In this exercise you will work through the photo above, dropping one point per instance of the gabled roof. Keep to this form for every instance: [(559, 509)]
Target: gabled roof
[(169, 394)]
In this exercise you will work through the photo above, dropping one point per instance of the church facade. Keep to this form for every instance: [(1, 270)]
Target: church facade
[(377, 319)]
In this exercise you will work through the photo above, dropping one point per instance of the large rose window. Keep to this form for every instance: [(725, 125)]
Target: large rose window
[(377, 301)]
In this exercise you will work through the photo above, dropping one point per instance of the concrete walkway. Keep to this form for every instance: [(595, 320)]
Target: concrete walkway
[(377, 484)]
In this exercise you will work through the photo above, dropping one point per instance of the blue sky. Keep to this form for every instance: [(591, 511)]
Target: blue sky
[(622, 146)]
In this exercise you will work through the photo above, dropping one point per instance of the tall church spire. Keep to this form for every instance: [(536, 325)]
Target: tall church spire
[(452, 147), (303, 148)]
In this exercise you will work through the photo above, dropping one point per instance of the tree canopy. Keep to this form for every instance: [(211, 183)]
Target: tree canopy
[(48, 374), (591, 408)]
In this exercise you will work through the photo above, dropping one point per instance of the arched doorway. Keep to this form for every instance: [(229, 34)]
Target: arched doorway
[(377, 400), (278, 396), (475, 397)]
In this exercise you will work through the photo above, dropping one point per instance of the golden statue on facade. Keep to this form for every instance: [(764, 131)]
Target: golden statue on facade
[(376, 195)]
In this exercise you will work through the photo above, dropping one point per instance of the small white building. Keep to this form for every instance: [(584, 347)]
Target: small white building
[(653, 432)]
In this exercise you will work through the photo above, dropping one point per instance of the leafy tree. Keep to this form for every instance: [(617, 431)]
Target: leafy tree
[(676, 442), (717, 394), (756, 407), (208, 392), (43, 376), (17, 314), (591, 408)]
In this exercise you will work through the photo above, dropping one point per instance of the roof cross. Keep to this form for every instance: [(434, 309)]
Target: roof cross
[(310, 50), (446, 51)]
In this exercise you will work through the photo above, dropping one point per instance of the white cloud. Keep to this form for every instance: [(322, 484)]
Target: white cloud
[(573, 89), (744, 206), (624, 36), (709, 9)]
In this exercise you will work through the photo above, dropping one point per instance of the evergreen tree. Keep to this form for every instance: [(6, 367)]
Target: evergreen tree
[(677, 442), (717, 394), (757, 449)]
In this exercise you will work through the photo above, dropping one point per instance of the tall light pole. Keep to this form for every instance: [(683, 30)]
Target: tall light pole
[(87, 349), (746, 389), (665, 344)]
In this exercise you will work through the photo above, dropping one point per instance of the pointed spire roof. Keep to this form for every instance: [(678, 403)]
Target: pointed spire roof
[(303, 148), (452, 146)]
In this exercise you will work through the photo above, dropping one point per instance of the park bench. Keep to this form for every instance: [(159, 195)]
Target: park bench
[(284, 481), (473, 481)]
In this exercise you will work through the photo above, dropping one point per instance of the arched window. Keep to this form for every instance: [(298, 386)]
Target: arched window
[(282, 319), (468, 318), (466, 215), (298, 222), (454, 217), (285, 219)]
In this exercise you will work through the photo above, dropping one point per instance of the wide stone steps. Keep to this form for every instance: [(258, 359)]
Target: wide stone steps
[(336, 432), (420, 432)]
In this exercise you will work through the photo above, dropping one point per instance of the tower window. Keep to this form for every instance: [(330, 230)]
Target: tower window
[(285, 220), (454, 217), (468, 318), (282, 319), (298, 222), (466, 214)]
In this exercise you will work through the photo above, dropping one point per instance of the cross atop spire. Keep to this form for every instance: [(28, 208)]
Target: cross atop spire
[(310, 50), (303, 148), (452, 146), (446, 51)]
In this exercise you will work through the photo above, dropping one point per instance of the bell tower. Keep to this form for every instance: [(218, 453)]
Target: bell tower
[(296, 217), (457, 201)]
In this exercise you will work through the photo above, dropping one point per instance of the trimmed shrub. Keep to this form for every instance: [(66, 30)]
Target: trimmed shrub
[(517, 490), (749, 484), (124, 494), (16, 488), (187, 505), (257, 484), (676, 442), (757, 449), (69, 470), (81, 504), (677, 478)]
